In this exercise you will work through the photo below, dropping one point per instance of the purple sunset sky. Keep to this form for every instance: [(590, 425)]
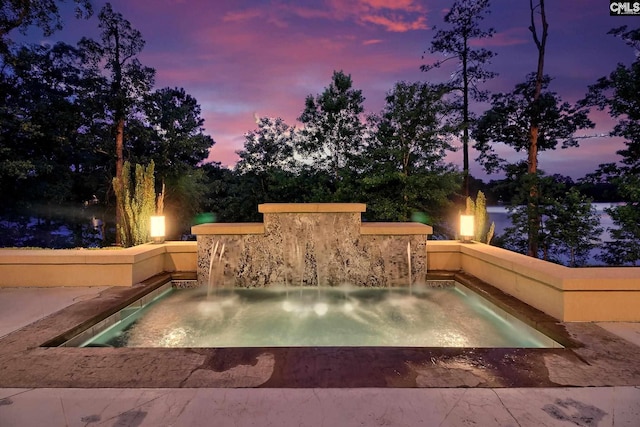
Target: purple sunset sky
[(240, 58)]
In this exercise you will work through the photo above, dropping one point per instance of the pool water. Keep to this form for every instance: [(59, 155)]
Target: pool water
[(450, 316)]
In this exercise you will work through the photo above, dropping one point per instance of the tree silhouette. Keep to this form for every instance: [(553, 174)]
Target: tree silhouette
[(129, 80), (21, 14), (455, 44), (333, 130), (620, 94)]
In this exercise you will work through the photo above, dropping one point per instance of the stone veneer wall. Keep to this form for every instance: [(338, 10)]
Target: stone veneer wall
[(310, 245)]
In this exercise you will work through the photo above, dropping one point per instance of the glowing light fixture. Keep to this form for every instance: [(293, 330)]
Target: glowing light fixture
[(466, 227), (157, 228)]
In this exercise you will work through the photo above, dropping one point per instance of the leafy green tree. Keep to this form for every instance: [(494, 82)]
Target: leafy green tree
[(597, 185), (22, 14), (178, 142), (172, 135), (267, 168), (57, 113), (569, 226), (619, 93), (138, 198), (456, 44), (518, 181), (540, 41), (508, 121), (573, 226), (116, 54), (221, 200), (45, 164), (404, 169), (624, 249), (483, 232), (185, 197), (270, 147), (17, 129), (333, 131)]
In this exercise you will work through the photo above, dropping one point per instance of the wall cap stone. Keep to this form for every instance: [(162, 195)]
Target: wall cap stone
[(395, 228), (311, 207), (228, 228)]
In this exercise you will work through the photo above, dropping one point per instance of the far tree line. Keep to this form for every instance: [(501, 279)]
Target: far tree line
[(71, 115)]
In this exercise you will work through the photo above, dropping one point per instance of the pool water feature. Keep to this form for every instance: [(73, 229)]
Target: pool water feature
[(311, 244), (425, 316)]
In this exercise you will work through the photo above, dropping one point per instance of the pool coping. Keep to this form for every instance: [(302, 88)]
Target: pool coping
[(593, 356)]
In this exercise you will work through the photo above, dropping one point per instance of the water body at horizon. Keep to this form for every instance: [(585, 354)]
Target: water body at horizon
[(500, 215)]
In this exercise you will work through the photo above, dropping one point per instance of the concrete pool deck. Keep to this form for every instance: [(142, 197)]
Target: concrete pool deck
[(443, 405)]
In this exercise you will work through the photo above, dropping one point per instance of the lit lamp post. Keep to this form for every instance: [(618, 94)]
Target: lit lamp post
[(466, 227), (157, 228)]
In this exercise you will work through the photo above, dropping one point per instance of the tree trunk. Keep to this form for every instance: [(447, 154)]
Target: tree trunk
[(119, 128), (119, 164), (532, 210), (532, 170), (465, 120), (572, 263)]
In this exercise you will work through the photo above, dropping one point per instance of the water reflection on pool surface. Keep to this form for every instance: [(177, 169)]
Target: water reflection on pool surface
[(449, 316)]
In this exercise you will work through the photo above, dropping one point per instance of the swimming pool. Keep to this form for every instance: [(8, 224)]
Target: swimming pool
[(444, 316)]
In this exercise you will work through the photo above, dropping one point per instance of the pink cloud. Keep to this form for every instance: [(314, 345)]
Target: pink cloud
[(311, 13), (396, 24), (406, 5), (509, 37), (242, 15), (396, 16), (241, 58)]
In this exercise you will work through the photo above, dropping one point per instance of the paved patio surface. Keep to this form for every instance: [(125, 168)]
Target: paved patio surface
[(586, 407), (22, 306), (488, 406)]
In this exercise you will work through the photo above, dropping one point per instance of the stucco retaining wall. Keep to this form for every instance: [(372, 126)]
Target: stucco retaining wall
[(93, 267), (568, 294)]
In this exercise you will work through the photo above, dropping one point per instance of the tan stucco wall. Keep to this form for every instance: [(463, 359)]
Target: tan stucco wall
[(180, 256), (568, 294), (89, 267)]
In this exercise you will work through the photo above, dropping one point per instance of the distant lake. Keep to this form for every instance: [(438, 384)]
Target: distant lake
[(500, 216)]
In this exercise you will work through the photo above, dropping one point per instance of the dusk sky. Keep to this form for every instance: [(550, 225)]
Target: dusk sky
[(241, 58)]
